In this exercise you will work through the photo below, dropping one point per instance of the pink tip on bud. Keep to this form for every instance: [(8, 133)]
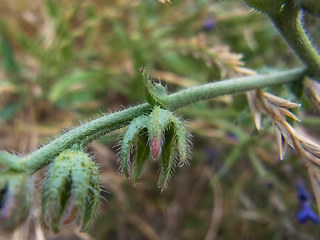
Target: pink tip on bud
[(155, 147)]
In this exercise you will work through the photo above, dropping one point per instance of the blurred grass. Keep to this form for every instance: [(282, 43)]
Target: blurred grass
[(67, 61)]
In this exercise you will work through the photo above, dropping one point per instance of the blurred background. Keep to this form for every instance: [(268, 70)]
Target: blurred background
[(64, 62)]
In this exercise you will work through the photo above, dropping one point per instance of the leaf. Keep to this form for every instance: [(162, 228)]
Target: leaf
[(9, 111), (229, 162), (71, 83), (10, 64), (257, 164)]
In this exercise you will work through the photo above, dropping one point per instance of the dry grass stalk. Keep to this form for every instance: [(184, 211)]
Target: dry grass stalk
[(278, 110), (229, 63)]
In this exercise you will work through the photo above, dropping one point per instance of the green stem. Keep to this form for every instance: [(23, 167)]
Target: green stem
[(287, 20), (88, 131), (106, 124), (242, 84)]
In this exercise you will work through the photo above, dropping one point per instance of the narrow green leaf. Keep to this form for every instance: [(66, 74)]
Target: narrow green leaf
[(229, 162), (257, 164)]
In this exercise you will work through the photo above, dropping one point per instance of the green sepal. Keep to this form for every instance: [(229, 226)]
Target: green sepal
[(92, 201), (167, 158), (142, 155), (131, 134), (159, 121), (85, 188), (156, 94), (15, 199), (181, 136), (56, 191)]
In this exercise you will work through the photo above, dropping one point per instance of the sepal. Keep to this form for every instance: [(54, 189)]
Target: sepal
[(167, 159), (143, 153), (133, 131), (156, 94)]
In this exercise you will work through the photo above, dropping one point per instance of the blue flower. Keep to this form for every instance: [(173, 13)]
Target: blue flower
[(209, 24), (302, 194), (306, 213)]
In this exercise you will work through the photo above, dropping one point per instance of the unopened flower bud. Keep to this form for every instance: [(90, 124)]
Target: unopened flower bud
[(15, 199), (159, 121), (155, 147), (71, 190)]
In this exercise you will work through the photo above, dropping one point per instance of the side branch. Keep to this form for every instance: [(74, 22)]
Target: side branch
[(106, 124), (289, 24)]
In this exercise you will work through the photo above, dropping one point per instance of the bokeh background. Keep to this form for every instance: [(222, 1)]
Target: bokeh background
[(63, 62)]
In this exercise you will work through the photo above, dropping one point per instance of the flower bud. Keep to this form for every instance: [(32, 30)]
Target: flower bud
[(15, 199), (155, 146), (166, 135), (159, 121), (71, 190)]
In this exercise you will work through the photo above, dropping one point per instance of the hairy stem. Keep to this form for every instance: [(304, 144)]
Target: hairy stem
[(232, 86), (287, 20), (106, 124)]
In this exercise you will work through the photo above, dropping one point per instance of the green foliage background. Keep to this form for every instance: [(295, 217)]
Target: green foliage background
[(67, 61)]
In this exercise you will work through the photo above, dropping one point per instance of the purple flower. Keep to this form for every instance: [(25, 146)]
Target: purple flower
[(302, 194), (209, 24), (306, 213)]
